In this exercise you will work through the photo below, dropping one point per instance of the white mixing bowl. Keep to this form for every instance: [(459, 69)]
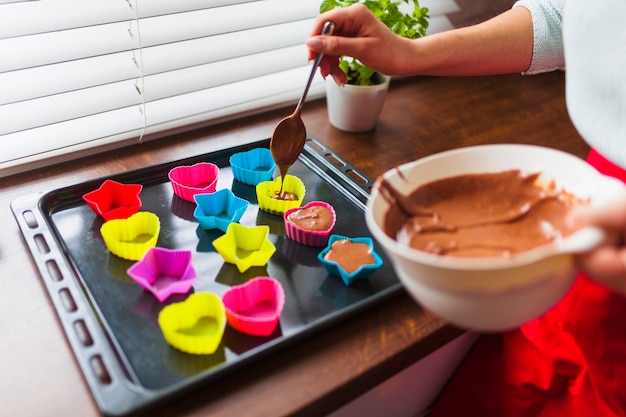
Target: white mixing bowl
[(496, 293)]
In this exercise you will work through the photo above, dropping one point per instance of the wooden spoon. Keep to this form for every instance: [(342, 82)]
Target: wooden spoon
[(289, 135)]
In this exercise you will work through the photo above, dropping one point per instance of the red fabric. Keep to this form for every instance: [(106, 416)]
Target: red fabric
[(569, 362)]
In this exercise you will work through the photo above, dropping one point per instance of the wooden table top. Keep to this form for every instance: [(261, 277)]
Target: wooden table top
[(423, 115)]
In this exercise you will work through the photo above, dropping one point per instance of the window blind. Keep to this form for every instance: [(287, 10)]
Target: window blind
[(78, 77)]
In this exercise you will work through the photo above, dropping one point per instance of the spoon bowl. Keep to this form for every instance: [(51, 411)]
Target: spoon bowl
[(289, 135), (288, 140)]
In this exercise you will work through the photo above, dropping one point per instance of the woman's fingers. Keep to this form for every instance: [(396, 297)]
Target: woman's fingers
[(606, 264)]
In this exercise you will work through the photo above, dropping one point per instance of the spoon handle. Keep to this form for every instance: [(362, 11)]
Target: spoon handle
[(326, 30)]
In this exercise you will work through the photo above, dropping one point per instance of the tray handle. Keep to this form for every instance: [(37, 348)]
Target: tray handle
[(108, 381)]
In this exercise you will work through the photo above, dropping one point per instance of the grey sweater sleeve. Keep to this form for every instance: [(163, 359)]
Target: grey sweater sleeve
[(547, 18)]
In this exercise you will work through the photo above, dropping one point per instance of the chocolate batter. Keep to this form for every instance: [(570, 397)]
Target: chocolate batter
[(316, 218), (284, 195), (479, 215), (350, 255)]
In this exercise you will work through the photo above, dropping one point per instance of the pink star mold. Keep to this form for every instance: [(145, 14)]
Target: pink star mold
[(164, 272)]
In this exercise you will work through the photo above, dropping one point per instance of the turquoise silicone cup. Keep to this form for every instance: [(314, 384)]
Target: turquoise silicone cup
[(333, 268), (309, 237), (219, 209), (245, 246), (254, 166), (255, 307), (114, 200), (164, 272), (189, 180)]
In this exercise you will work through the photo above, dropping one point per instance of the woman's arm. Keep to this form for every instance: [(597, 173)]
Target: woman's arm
[(503, 44)]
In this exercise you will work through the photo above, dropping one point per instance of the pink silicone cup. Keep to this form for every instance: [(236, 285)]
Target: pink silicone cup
[(309, 237), (164, 272), (189, 180), (114, 200), (255, 307)]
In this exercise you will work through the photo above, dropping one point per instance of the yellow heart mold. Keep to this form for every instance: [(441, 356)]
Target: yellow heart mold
[(131, 238), (195, 325)]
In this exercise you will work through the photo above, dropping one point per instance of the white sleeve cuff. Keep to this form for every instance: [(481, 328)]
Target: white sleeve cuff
[(547, 18)]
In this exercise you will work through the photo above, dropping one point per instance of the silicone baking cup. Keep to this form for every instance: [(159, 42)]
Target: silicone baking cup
[(268, 189), (195, 325), (255, 307), (131, 238), (164, 272), (245, 246), (254, 166), (114, 200), (189, 180), (306, 236), (362, 271), (219, 209)]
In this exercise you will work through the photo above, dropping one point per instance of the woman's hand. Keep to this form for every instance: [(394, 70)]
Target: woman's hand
[(358, 34), (607, 263)]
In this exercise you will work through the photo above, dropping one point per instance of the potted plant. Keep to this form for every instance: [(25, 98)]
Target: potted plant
[(356, 106)]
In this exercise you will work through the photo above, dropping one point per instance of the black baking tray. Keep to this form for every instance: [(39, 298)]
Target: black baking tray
[(111, 323)]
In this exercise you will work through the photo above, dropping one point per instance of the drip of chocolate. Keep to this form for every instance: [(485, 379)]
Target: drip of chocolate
[(283, 169), (285, 195)]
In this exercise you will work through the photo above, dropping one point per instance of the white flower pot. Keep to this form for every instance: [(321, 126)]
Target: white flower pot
[(355, 108)]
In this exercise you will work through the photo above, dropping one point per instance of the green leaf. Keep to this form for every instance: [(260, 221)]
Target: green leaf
[(409, 24)]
